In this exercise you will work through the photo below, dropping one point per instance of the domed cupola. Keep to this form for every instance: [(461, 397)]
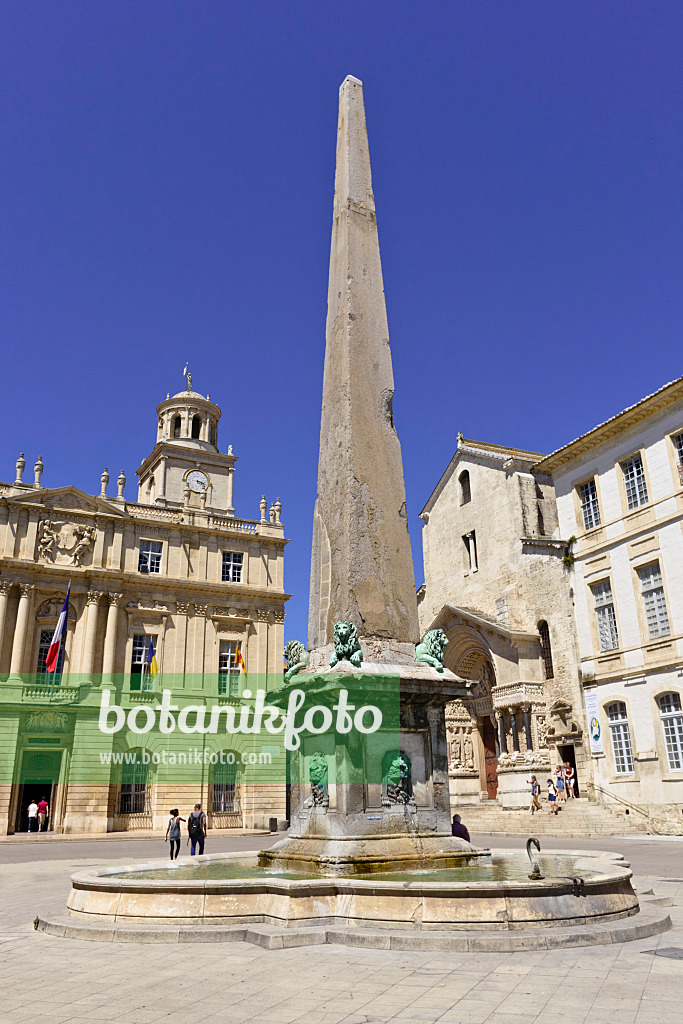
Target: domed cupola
[(185, 470), (189, 420)]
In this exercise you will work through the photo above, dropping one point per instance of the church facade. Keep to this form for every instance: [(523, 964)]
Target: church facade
[(496, 583), (166, 592)]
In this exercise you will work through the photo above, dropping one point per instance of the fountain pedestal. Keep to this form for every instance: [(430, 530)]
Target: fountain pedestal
[(379, 801)]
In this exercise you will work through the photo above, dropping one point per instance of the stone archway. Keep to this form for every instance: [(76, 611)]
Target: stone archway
[(470, 723)]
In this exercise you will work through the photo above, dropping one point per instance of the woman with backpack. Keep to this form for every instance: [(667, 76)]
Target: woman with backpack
[(552, 796), (196, 829), (173, 832)]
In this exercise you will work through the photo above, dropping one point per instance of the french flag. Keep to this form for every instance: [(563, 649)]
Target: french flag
[(53, 652)]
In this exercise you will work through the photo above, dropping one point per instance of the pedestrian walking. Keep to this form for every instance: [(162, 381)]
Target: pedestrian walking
[(458, 829), (559, 782), (32, 816), (196, 829), (552, 796), (43, 813), (569, 780), (534, 803), (173, 832)]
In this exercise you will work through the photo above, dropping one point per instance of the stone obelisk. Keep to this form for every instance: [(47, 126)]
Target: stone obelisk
[(361, 564)]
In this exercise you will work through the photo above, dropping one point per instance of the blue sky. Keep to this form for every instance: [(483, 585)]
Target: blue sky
[(166, 178)]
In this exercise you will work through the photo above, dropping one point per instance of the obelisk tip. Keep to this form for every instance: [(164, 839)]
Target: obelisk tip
[(350, 79)]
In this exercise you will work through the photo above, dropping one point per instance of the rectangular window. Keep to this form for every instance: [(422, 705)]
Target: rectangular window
[(589, 504), (140, 678), (607, 620), (634, 482), (150, 556), (678, 446), (232, 567), (672, 723), (228, 673), (621, 748), (470, 542), (133, 798), (654, 601), (43, 677)]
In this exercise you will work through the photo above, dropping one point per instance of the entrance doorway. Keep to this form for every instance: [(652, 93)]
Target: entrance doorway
[(488, 737), (567, 754), (30, 792), (39, 776)]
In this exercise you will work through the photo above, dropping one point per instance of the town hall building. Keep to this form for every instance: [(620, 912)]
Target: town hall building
[(174, 578)]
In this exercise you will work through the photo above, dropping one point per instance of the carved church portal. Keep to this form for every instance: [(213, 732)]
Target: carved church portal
[(490, 770)]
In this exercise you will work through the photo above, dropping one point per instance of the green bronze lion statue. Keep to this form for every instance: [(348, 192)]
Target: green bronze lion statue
[(297, 658), (346, 644), (432, 649)]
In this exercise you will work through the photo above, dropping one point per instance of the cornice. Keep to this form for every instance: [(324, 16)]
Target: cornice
[(92, 577)]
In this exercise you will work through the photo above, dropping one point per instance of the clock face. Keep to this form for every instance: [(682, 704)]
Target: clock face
[(197, 481)]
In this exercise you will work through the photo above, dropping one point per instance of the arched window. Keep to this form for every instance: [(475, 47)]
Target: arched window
[(225, 795), (465, 490), (133, 796), (672, 723), (177, 423), (196, 427), (546, 652), (621, 737), (212, 432)]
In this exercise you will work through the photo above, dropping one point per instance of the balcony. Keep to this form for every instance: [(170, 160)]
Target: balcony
[(513, 695)]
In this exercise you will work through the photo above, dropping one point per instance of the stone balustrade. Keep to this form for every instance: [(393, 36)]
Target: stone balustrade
[(512, 695)]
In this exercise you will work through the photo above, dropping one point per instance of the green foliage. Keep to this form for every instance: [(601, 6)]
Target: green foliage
[(568, 558)]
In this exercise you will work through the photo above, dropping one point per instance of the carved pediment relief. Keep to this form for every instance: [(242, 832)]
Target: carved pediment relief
[(47, 721), (51, 609)]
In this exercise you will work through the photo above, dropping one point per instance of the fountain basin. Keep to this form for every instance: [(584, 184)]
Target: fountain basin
[(578, 887)]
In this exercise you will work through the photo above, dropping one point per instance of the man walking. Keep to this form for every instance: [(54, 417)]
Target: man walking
[(196, 829), (32, 816), (43, 814)]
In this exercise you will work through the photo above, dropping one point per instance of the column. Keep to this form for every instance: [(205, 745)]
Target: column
[(110, 638), (4, 593), (31, 534), (515, 732), (230, 509), (11, 532), (100, 536), (161, 492), (19, 641), (527, 728), (92, 605), (501, 733)]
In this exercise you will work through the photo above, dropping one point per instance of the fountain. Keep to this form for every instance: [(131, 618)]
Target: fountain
[(369, 856)]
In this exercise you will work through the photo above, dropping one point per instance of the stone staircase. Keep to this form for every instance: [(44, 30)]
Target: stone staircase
[(579, 817)]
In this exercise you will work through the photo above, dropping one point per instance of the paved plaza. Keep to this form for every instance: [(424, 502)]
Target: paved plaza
[(56, 980)]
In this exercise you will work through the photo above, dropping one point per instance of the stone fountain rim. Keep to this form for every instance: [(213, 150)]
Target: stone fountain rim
[(112, 879)]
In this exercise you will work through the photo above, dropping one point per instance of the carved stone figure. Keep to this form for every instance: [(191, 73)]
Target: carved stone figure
[(468, 749), (398, 786), (297, 658), (346, 644), (456, 748), (47, 539), (432, 649), (317, 773), (86, 538)]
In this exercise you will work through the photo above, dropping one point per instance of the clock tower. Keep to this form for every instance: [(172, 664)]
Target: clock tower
[(185, 468)]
